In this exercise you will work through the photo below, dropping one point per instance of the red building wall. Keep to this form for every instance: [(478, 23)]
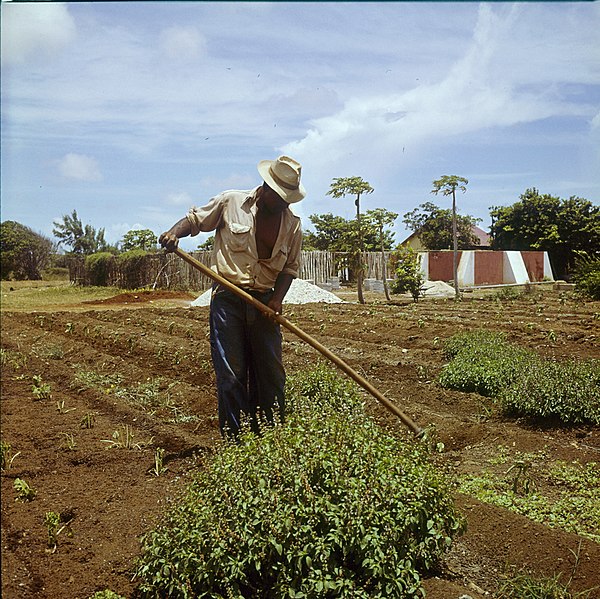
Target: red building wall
[(534, 263), (441, 266), (489, 268)]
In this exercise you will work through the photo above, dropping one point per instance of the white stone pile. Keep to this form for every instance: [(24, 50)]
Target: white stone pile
[(300, 292)]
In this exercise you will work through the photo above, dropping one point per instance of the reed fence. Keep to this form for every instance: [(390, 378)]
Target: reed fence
[(166, 271)]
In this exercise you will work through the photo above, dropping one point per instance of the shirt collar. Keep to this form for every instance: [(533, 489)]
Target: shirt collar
[(251, 198)]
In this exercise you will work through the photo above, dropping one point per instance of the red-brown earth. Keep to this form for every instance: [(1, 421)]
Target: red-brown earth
[(110, 498)]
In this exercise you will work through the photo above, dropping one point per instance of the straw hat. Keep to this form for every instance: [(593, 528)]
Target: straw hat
[(283, 176)]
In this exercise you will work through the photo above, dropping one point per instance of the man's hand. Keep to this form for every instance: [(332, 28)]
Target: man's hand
[(276, 306), (169, 241)]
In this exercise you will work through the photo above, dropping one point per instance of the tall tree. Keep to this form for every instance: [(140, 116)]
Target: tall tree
[(545, 222), (447, 185), (434, 226), (139, 239), (83, 240), (340, 187), (382, 218), (25, 253)]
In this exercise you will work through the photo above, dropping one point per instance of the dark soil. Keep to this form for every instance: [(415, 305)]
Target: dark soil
[(109, 497)]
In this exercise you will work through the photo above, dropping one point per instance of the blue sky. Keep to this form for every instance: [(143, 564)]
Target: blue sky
[(130, 112)]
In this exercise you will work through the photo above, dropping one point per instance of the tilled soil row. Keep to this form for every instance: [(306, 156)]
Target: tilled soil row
[(110, 496)]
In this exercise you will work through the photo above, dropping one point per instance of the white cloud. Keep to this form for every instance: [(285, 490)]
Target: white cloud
[(235, 181), (477, 93), (182, 43), (79, 167), (179, 198), (32, 30)]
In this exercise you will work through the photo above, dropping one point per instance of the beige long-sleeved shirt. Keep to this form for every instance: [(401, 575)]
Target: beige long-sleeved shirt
[(231, 215)]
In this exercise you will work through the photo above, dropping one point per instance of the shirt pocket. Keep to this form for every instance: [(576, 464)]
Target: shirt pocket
[(279, 259), (238, 237)]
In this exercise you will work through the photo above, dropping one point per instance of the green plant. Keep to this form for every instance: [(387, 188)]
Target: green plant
[(124, 438), (560, 495), (24, 491), (99, 267), (158, 467), (586, 274), (524, 586), (40, 389), (52, 521), (522, 382), (409, 276), (106, 594), (7, 457), (68, 441), (326, 505), (14, 359), (481, 362), (568, 390), (88, 420), (60, 406)]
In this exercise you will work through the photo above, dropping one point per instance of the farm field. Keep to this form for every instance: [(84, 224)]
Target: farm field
[(91, 391)]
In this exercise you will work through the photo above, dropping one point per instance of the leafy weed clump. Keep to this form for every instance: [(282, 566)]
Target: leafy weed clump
[(481, 362), (325, 505), (522, 382), (567, 390)]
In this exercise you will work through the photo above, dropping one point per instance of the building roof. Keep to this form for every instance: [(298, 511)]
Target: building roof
[(484, 238)]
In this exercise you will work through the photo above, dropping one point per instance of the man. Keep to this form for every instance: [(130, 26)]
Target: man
[(257, 247)]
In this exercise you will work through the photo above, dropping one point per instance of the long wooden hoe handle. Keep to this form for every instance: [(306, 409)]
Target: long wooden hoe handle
[(304, 336)]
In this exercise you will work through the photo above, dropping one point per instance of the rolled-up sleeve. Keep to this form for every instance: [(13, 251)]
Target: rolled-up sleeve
[(208, 217)]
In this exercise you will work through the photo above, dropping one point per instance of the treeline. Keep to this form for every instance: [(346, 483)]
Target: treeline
[(568, 229)]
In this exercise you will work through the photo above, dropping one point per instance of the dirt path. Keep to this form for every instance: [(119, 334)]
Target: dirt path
[(148, 368)]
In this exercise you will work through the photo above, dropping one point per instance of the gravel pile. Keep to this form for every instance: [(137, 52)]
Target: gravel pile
[(300, 292)]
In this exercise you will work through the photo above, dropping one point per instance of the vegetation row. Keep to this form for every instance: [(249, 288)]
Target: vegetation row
[(326, 505), (521, 381)]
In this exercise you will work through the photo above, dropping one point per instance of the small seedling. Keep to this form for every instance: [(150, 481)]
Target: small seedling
[(24, 491), (6, 455), (53, 522), (521, 466), (60, 406), (158, 467), (124, 439), (68, 441), (40, 389), (88, 421), (70, 327)]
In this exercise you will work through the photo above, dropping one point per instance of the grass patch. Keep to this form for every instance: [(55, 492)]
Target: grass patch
[(326, 505), (524, 586), (32, 295)]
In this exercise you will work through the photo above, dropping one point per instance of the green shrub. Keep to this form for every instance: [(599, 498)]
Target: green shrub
[(587, 275), (567, 390), (98, 268), (132, 268), (327, 505), (521, 381), (481, 362), (409, 277)]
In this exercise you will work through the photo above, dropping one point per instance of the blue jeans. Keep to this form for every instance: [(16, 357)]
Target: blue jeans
[(246, 354)]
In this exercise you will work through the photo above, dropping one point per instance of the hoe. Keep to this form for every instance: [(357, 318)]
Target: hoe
[(305, 337)]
